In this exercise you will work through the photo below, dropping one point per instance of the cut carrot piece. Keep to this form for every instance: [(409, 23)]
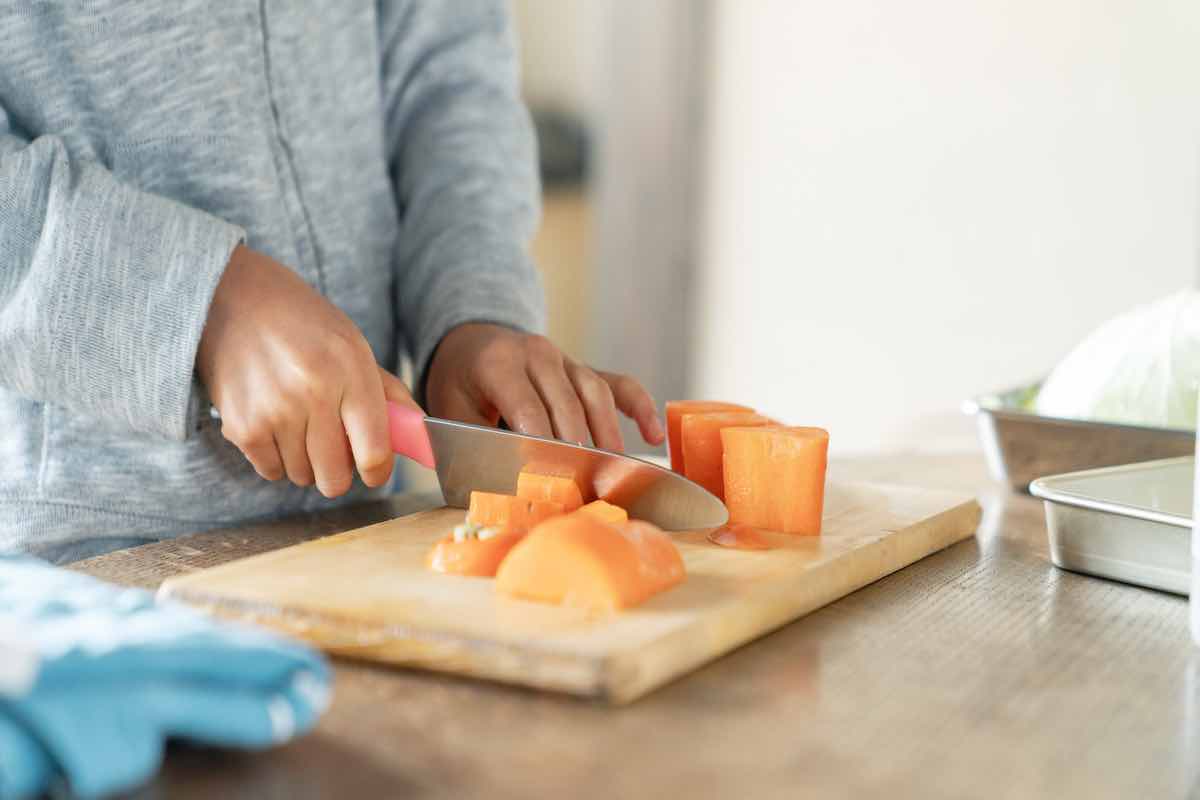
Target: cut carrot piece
[(580, 472), (605, 511), (675, 411), (578, 560), (551, 488), (623, 482), (508, 513), (700, 438), (659, 564), (477, 557), (775, 477)]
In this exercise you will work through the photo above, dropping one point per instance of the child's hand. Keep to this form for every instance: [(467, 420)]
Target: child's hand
[(297, 386), (480, 373)]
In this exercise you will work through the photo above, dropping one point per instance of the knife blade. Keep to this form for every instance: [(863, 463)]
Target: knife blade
[(474, 458)]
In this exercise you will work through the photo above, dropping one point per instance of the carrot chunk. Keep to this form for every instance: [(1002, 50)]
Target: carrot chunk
[(605, 511), (475, 556), (550, 488), (508, 513), (700, 436), (775, 477), (623, 483), (675, 411), (580, 561)]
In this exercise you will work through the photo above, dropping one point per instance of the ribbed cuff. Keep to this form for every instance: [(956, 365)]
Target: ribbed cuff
[(135, 275), (214, 241)]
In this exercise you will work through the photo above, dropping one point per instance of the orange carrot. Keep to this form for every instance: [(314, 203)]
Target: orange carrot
[(605, 511), (675, 411), (578, 560), (475, 556), (775, 477), (700, 436), (623, 483), (659, 564), (550, 488), (508, 513)]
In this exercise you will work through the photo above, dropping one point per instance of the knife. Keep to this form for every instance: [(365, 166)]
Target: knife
[(474, 458)]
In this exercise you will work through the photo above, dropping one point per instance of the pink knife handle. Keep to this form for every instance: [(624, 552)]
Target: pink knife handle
[(409, 435)]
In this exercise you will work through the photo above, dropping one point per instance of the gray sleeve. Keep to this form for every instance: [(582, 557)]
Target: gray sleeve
[(464, 167), (104, 289)]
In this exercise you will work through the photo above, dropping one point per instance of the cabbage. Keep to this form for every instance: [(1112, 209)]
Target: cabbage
[(1140, 368)]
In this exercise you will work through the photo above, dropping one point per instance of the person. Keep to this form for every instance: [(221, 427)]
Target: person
[(261, 209)]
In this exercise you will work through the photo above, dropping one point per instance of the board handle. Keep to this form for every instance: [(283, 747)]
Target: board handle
[(410, 438)]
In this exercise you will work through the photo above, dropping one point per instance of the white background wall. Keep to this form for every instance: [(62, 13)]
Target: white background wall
[(910, 203), (632, 69)]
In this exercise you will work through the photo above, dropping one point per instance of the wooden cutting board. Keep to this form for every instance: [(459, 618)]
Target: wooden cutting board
[(366, 594)]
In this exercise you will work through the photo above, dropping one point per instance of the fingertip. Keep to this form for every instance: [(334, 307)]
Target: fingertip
[(530, 425), (646, 416), (379, 474), (606, 431), (269, 474), (635, 402), (303, 481), (529, 417), (332, 489), (652, 429), (615, 443)]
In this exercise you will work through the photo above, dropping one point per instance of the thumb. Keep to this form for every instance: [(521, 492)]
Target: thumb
[(394, 390)]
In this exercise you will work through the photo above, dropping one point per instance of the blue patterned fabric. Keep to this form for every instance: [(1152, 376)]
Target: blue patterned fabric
[(94, 678)]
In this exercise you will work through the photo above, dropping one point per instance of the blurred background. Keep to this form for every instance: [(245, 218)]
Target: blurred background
[(859, 214)]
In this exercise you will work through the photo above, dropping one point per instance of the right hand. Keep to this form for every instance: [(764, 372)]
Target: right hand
[(295, 381)]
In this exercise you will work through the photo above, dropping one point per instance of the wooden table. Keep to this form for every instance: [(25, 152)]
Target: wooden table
[(981, 671)]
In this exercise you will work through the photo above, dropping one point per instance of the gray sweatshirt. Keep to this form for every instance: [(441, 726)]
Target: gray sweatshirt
[(379, 149)]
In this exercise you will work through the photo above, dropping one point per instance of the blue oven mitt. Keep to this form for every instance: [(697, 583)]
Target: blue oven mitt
[(94, 678)]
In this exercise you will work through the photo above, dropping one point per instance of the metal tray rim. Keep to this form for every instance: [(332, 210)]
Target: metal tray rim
[(992, 403), (1044, 488)]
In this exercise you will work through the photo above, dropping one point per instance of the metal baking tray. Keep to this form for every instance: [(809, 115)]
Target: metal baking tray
[(1021, 446), (1131, 523)]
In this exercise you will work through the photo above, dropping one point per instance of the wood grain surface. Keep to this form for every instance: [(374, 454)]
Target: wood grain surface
[(979, 672), (367, 594)]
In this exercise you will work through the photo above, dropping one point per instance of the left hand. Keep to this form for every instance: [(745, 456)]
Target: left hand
[(481, 373)]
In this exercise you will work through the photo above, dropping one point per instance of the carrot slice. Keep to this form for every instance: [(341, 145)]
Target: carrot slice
[(700, 436), (675, 411), (578, 560), (477, 557), (775, 477), (581, 473), (508, 513), (550, 488), (605, 511)]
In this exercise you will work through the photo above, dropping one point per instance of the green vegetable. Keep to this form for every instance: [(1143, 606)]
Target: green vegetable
[(1140, 368)]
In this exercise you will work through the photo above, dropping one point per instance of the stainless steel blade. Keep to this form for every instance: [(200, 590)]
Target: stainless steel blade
[(470, 457)]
